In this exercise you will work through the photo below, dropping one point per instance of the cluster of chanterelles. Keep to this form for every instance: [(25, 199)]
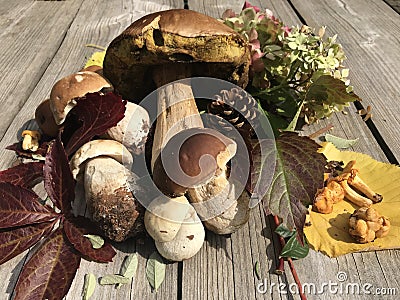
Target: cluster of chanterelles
[(156, 50), (365, 224)]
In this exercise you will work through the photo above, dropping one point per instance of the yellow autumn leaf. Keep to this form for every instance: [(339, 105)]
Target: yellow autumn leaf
[(328, 233), (96, 59)]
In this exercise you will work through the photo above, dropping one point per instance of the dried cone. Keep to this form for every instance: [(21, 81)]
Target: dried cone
[(236, 107)]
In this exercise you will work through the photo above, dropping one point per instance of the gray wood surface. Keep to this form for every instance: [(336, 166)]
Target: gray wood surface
[(51, 43)]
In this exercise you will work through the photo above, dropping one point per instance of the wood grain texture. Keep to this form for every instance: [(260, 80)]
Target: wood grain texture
[(369, 35), (27, 46), (224, 268)]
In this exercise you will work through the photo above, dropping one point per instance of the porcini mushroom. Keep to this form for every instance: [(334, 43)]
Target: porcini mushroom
[(133, 129), (110, 200), (67, 89), (169, 45), (175, 227), (195, 162), (45, 120), (188, 240), (97, 148)]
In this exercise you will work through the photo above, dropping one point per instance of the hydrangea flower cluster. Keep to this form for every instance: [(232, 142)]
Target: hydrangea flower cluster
[(295, 72)]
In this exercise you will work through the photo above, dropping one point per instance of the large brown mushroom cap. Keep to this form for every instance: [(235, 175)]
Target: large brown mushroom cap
[(212, 49), (190, 158), (73, 86), (45, 120)]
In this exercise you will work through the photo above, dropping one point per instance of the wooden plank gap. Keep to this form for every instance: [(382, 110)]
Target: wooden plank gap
[(378, 137)]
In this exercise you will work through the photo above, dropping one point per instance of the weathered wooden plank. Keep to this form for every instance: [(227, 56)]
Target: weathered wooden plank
[(369, 34), (26, 48), (10, 12), (394, 4)]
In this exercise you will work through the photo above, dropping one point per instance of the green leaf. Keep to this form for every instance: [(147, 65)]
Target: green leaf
[(155, 270), (129, 266), (114, 279), (294, 249), (293, 123), (97, 241), (340, 142), (257, 270), (298, 174), (329, 90), (284, 232), (88, 286)]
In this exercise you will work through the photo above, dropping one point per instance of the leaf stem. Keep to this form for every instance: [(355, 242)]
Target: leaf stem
[(280, 269)]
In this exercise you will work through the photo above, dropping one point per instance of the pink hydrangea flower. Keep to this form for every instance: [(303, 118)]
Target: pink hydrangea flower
[(247, 5)]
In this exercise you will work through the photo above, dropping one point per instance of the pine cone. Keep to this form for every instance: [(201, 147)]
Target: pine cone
[(236, 107)]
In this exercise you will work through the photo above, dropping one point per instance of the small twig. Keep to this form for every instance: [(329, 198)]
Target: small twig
[(280, 269), (296, 279), (96, 46), (320, 132)]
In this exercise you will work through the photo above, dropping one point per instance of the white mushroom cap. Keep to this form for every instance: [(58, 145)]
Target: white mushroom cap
[(133, 129), (73, 86), (164, 217), (187, 242), (96, 148)]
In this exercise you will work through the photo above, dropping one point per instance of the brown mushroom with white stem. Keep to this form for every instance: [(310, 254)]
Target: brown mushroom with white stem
[(196, 162), (108, 188), (45, 119), (64, 93), (170, 45), (166, 46)]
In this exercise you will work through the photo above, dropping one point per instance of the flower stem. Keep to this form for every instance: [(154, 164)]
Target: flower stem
[(280, 269)]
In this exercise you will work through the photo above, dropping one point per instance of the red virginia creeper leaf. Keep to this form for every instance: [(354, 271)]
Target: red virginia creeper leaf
[(74, 230), (16, 241), (25, 175), (20, 206), (96, 113), (48, 274), (58, 180), (299, 172)]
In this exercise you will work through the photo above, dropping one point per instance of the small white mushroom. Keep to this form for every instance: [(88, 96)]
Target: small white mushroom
[(96, 148), (187, 242), (164, 217), (133, 129)]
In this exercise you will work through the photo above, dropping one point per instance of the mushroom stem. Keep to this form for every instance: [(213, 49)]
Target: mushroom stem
[(353, 196), (361, 186), (177, 109)]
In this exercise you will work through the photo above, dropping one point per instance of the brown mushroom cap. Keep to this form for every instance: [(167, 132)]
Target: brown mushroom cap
[(190, 158), (178, 35), (45, 120), (73, 86)]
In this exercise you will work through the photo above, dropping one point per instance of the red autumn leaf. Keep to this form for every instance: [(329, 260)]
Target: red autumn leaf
[(16, 241), (25, 175), (20, 206), (96, 113), (17, 148), (48, 274), (58, 180), (75, 231)]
